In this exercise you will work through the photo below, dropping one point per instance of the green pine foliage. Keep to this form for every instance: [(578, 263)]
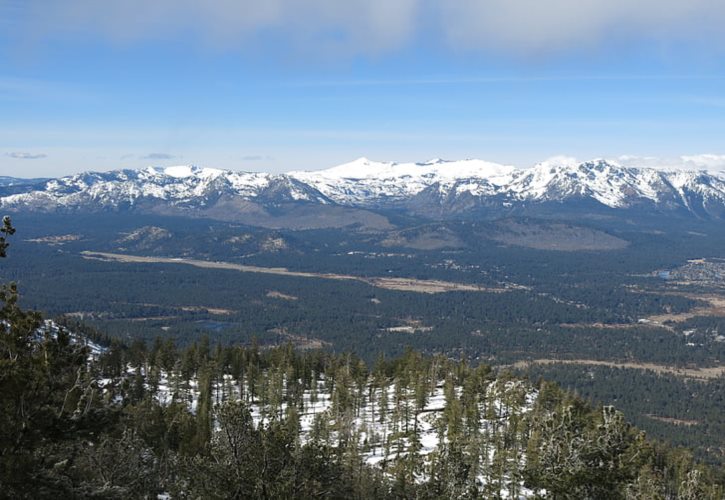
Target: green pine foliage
[(228, 422)]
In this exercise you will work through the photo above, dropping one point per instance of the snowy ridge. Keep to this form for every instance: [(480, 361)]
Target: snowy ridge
[(369, 184), (365, 182), (176, 185)]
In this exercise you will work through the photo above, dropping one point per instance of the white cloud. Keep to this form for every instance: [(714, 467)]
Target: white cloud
[(709, 162), (22, 155), (158, 156), (257, 158), (536, 26), (349, 27)]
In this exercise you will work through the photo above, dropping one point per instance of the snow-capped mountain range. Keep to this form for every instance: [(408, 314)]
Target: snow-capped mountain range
[(439, 187)]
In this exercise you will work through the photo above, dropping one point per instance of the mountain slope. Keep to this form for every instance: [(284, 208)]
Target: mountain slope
[(436, 188), (369, 183)]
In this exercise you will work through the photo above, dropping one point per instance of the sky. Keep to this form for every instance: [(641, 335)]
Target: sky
[(287, 85)]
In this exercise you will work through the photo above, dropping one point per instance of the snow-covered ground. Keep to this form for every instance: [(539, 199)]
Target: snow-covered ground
[(51, 327), (382, 437)]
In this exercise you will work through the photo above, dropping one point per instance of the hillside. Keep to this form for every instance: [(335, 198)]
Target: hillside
[(249, 423)]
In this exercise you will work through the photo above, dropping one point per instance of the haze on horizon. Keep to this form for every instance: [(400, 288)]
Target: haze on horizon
[(302, 85)]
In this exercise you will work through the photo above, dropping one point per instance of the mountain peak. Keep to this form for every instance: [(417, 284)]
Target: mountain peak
[(367, 183), (180, 171), (437, 168), (184, 171), (557, 162)]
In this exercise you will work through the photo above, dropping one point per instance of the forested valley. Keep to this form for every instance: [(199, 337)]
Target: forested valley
[(196, 387)]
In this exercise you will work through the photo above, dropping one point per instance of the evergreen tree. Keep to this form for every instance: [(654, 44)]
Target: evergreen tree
[(48, 398)]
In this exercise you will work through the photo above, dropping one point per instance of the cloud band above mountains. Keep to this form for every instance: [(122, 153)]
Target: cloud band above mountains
[(524, 27), (23, 155)]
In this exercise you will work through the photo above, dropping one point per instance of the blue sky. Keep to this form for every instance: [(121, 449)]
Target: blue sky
[(307, 84)]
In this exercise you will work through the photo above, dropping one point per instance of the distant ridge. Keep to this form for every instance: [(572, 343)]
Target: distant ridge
[(437, 187)]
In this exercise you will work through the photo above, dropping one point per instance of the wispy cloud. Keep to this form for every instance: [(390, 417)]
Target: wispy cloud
[(708, 161), (710, 102), (377, 26), (257, 158), (536, 27), (159, 156), (342, 27), (705, 161), (31, 89), (22, 155), (492, 80)]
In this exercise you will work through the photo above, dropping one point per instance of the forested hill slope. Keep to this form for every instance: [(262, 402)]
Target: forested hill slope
[(239, 422)]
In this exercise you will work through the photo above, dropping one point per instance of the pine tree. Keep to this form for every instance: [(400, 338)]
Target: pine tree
[(6, 230), (48, 398)]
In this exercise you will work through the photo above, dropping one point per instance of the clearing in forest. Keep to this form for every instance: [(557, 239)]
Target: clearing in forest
[(400, 284)]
